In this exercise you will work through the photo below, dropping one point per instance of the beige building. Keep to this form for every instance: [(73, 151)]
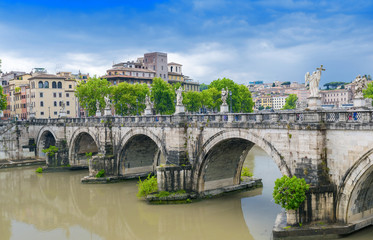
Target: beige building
[(336, 97), (47, 92), (278, 102), (18, 97), (175, 75)]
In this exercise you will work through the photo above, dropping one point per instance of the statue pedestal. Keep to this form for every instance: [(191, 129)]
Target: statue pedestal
[(314, 103), (224, 108), (180, 109), (62, 114), (359, 102), (107, 112), (148, 111), (31, 115), (98, 114)]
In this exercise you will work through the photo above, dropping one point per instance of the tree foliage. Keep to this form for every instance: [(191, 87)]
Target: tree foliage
[(241, 96), (291, 102), (203, 87), (149, 185), (163, 96), (3, 102), (192, 101), (211, 99), (124, 96), (290, 192), (51, 151), (333, 85), (285, 83), (90, 91), (368, 92)]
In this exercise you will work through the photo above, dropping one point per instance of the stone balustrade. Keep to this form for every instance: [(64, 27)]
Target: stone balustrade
[(268, 118)]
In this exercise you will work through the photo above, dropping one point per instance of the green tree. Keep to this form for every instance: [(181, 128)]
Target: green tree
[(245, 99), (333, 85), (128, 99), (192, 101), (163, 96), (368, 92), (285, 83), (291, 102), (211, 99), (241, 99), (90, 91), (3, 102), (290, 192), (203, 87)]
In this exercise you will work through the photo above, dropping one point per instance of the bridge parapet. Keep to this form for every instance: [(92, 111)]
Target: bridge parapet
[(327, 117)]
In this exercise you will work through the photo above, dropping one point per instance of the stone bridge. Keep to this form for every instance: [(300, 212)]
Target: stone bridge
[(332, 150)]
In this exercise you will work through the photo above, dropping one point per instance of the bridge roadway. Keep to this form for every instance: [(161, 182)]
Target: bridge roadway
[(332, 150)]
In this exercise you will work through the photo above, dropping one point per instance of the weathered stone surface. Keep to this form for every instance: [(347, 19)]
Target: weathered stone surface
[(327, 148)]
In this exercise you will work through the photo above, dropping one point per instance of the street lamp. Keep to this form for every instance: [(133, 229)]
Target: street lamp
[(49, 108), (230, 95), (137, 107)]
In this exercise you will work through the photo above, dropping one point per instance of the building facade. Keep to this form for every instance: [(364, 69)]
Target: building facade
[(48, 92), (278, 102), (175, 75), (336, 97), (157, 62)]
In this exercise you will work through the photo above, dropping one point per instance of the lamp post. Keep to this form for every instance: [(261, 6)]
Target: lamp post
[(137, 107), (49, 108), (230, 95)]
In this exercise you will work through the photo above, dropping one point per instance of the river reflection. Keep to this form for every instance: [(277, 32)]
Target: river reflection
[(58, 206)]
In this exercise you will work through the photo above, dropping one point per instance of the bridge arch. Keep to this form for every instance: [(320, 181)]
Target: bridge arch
[(355, 194), (82, 142), (220, 161), (46, 137), (140, 151)]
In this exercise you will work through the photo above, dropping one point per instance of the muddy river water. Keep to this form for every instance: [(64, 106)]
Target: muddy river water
[(57, 206)]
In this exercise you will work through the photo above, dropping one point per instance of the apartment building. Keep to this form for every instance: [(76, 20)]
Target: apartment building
[(278, 102), (336, 97), (175, 75), (47, 92), (157, 62)]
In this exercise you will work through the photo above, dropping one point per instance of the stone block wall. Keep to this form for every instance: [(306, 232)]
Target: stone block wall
[(173, 178)]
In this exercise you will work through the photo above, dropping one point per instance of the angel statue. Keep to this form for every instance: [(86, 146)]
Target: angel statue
[(179, 96), (107, 102), (224, 95), (360, 84), (314, 81)]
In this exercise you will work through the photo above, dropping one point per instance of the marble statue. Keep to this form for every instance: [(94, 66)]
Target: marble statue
[(224, 95), (62, 106), (179, 96), (97, 106), (148, 103), (107, 102), (360, 84), (314, 81)]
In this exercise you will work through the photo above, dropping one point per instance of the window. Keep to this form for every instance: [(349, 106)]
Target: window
[(67, 95), (54, 84), (32, 85), (60, 94), (55, 113), (55, 103), (42, 113), (40, 84), (68, 112), (70, 86), (59, 84), (46, 84), (60, 103), (41, 94), (54, 94), (67, 103), (41, 104)]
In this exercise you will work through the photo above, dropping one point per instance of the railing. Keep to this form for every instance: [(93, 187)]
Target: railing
[(326, 116)]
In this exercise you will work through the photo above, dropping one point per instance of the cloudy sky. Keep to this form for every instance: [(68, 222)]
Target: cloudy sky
[(238, 39)]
